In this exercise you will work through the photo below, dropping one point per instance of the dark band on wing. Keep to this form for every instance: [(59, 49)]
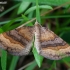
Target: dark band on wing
[(53, 43), (15, 36), (26, 32), (4, 46)]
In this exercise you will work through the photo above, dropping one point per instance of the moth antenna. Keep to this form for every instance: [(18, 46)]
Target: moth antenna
[(24, 24), (20, 26)]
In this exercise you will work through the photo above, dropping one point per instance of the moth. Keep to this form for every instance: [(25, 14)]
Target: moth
[(48, 44)]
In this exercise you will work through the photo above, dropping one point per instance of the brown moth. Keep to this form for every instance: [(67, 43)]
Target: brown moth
[(48, 44), (17, 41)]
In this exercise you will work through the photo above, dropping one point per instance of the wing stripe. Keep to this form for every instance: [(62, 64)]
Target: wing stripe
[(17, 37)]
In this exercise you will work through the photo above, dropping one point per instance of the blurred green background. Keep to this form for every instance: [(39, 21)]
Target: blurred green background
[(54, 14)]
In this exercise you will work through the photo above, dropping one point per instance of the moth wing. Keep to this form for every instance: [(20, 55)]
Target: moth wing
[(17, 41), (49, 45)]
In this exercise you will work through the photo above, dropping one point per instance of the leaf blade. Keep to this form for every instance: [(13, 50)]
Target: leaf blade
[(23, 7), (4, 60), (38, 57), (41, 7)]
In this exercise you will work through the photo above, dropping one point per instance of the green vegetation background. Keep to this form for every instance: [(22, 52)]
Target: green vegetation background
[(54, 14)]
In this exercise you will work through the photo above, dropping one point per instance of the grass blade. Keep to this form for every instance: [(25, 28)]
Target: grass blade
[(52, 2), (31, 66), (23, 6), (1, 30), (53, 66), (41, 7), (37, 12), (26, 19), (4, 60), (14, 62), (7, 26), (38, 57)]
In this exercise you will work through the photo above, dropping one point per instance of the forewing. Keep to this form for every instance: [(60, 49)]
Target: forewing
[(49, 45), (17, 41)]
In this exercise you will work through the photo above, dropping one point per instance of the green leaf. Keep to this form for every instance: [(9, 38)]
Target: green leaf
[(7, 26), (53, 65), (23, 7), (30, 15), (4, 60), (41, 7), (31, 66), (38, 12), (51, 2), (59, 16), (14, 62), (66, 60), (38, 57), (26, 19), (1, 30), (17, 20)]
